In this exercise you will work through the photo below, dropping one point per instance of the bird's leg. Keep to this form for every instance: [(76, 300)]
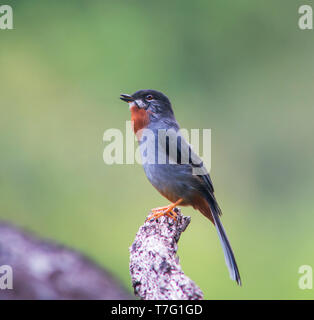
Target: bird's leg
[(165, 211), (158, 212), (159, 209)]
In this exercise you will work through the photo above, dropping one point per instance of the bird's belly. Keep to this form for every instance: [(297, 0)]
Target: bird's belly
[(172, 181)]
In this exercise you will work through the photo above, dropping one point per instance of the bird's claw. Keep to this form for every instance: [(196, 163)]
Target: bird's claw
[(168, 211)]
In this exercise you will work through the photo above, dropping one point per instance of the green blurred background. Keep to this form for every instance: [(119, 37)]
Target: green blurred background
[(242, 68)]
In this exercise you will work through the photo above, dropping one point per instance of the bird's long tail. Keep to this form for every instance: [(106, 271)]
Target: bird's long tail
[(229, 256)]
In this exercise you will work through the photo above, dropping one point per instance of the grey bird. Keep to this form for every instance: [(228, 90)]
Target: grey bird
[(181, 177)]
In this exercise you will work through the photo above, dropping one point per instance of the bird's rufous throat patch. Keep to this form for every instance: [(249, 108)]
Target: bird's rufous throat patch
[(139, 118)]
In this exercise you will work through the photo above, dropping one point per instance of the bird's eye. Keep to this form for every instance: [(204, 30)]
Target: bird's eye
[(149, 97)]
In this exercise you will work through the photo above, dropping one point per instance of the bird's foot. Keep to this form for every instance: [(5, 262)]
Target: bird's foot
[(168, 211)]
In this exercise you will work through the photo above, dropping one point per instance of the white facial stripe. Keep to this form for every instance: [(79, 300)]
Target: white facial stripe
[(132, 105), (137, 103), (140, 103)]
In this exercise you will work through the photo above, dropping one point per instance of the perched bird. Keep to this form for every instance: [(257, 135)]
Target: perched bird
[(175, 179)]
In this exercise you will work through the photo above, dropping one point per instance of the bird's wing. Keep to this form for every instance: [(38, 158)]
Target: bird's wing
[(179, 151), (186, 156)]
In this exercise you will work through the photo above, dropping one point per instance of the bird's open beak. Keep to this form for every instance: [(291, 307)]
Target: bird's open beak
[(126, 98)]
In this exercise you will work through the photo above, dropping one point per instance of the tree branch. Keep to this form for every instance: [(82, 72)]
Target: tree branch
[(154, 265)]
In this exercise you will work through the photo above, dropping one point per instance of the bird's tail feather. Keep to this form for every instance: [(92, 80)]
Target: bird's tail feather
[(229, 256)]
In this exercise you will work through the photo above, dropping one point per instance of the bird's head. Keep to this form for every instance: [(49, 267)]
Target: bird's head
[(155, 103)]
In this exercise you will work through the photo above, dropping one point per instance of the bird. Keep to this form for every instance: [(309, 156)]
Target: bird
[(182, 178)]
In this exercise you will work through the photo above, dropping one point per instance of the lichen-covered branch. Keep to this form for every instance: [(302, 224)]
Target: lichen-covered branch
[(154, 265)]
